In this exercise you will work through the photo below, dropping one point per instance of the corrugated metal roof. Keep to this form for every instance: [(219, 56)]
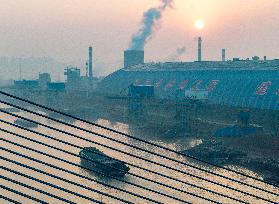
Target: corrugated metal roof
[(207, 65)]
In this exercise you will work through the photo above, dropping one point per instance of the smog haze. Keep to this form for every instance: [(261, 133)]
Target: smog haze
[(62, 30)]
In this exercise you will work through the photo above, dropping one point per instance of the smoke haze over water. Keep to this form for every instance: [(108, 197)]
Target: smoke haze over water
[(149, 22)]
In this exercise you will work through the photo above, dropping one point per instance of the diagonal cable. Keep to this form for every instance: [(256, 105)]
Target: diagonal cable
[(135, 156), (67, 171), (79, 175), (141, 149), (70, 144), (34, 189), (57, 177), (9, 199), (141, 140)]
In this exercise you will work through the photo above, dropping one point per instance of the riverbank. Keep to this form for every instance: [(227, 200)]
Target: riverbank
[(258, 153)]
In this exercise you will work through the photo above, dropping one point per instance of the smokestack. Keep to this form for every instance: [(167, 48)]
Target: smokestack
[(133, 57), (223, 55), (200, 49), (90, 63), (265, 58)]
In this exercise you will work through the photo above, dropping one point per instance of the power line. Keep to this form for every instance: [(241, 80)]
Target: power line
[(9, 199), (31, 188), (50, 184), (18, 193), (54, 176), (143, 197), (138, 139), (216, 183), (141, 140), (225, 186), (104, 136), (70, 172), (129, 173), (50, 137), (189, 174)]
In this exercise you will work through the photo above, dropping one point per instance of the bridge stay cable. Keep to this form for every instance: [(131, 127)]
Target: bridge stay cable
[(79, 175), (132, 174), (136, 138), (159, 155), (34, 189), (195, 176), (8, 199)]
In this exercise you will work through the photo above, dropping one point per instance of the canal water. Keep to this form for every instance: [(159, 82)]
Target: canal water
[(126, 129)]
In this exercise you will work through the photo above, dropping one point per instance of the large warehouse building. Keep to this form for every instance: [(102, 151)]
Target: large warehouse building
[(243, 83)]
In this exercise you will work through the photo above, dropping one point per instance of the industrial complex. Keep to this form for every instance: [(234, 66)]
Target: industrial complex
[(224, 103), (171, 112), (74, 81), (251, 83)]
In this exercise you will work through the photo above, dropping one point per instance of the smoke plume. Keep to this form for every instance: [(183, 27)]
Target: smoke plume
[(178, 53), (149, 24)]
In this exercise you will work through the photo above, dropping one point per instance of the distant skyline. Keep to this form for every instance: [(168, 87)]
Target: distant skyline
[(64, 29)]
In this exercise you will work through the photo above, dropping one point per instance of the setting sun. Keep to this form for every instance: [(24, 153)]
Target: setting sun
[(199, 24)]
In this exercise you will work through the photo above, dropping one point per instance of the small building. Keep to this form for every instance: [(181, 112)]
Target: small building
[(73, 78), (72, 74), (44, 79), (56, 86), (141, 91), (26, 84), (255, 58)]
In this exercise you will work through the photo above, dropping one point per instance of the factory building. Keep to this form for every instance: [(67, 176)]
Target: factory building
[(26, 84), (73, 78), (56, 86), (77, 83), (241, 83), (42, 84), (43, 81)]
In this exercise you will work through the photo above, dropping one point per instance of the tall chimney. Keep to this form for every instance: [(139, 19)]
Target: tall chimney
[(265, 58), (200, 49), (223, 55), (90, 63)]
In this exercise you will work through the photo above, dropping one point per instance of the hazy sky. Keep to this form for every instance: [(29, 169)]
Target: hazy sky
[(63, 29)]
